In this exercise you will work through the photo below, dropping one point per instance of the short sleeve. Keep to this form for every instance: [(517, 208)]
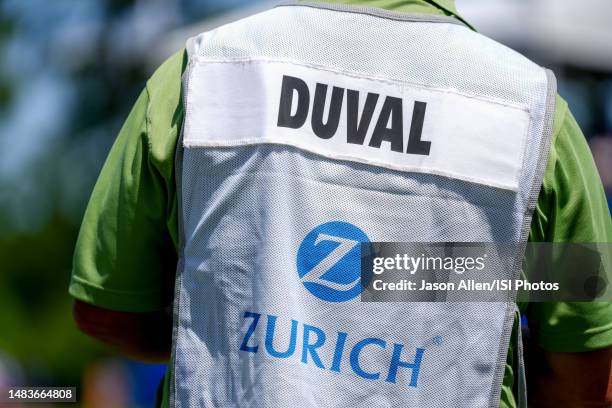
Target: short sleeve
[(572, 207), (126, 252)]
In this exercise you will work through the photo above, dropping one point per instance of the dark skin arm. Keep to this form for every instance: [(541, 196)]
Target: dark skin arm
[(145, 337), (570, 380)]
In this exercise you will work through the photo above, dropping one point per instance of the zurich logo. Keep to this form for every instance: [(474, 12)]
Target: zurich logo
[(329, 261)]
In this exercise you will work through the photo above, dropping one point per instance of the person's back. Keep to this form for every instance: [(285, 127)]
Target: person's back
[(300, 143)]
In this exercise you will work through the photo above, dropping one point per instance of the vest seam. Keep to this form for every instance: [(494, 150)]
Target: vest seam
[(376, 12), (445, 197), (532, 198), (178, 163), (199, 59), (388, 166)]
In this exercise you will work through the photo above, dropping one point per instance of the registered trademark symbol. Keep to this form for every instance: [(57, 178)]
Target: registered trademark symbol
[(437, 340)]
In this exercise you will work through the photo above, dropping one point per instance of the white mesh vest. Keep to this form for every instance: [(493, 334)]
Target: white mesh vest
[(308, 129)]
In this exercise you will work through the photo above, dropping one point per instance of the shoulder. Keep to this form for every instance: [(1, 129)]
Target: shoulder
[(164, 86), (572, 206), (165, 112)]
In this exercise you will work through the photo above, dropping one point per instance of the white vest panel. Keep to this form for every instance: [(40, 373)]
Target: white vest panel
[(309, 129)]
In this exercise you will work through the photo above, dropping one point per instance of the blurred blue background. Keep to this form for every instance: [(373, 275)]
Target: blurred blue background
[(69, 73)]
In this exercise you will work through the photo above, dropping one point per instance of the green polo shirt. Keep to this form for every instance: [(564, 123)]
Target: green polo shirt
[(125, 256)]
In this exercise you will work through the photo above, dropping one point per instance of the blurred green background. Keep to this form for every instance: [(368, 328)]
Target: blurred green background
[(69, 73)]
